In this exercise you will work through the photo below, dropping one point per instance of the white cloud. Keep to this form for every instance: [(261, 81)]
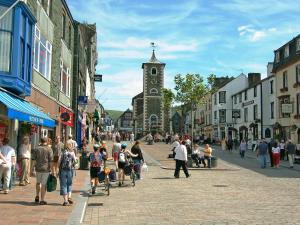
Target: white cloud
[(255, 35)]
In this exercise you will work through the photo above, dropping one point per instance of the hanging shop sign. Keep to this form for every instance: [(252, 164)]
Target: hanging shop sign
[(66, 117)]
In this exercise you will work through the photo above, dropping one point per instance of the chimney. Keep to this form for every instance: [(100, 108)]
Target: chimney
[(253, 78)]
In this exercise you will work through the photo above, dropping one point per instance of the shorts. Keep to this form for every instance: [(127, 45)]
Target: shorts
[(94, 172), (121, 165), (41, 178), (116, 156)]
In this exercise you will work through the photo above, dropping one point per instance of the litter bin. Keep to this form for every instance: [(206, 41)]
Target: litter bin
[(84, 162), (214, 162)]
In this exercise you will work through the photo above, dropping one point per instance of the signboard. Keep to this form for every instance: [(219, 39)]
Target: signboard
[(236, 113), (98, 77), (248, 103), (66, 117), (287, 108), (82, 100)]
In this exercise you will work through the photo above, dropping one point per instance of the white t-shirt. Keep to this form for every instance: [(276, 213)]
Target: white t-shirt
[(282, 145), (181, 153), (175, 144), (116, 148), (276, 150), (7, 153)]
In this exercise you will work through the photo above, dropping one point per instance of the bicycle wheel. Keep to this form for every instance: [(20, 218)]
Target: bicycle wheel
[(133, 178)]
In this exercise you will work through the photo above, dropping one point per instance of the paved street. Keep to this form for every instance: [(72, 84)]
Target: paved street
[(241, 193)]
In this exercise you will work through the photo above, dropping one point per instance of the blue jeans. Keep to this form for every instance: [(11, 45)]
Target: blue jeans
[(263, 160), (66, 179), (138, 173)]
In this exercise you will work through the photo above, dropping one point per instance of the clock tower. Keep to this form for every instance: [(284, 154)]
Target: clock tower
[(153, 82)]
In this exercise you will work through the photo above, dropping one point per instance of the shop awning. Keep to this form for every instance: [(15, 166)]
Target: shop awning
[(24, 111)]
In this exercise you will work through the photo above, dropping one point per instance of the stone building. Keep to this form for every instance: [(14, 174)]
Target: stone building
[(286, 69), (150, 116)]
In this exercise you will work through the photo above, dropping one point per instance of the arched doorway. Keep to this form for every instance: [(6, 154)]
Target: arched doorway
[(243, 133)]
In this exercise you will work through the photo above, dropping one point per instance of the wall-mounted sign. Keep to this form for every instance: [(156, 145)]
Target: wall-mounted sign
[(236, 113), (248, 103), (98, 77), (287, 108), (66, 117), (82, 100)]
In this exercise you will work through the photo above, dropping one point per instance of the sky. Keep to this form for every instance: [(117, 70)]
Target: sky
[(221, 37)]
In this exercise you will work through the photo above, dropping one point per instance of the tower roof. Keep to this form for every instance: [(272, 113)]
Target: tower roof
[(153, 59)]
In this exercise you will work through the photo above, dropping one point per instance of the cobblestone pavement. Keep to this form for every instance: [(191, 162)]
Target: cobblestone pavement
[(242, 193)]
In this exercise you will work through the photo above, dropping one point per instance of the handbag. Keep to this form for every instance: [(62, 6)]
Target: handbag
[(51, 183), (145, 167)]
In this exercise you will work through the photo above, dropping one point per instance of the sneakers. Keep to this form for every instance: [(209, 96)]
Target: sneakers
[(22, 184), (70, 201), (65, 203), (43, 203), (37, 199), (188, 176), (93, 190), (5, 192)]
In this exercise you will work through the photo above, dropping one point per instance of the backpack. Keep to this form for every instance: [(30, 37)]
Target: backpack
[(95, 160), (122, 157), (67, 162)]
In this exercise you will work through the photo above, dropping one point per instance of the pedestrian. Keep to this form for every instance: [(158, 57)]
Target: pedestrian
[(123, 161), (115, 151), (24, 153), (276, 156), (198, 156), (66, 163), (95, 167), (9, 154), (138, 160), (42, 158), (208, 154), (57, 148), (132, 138), (229, 144), (271, 144), (262, 150), (73, 144), (291, 151), (282, 149), (243, 148), (174, 145), (223, 144), (181, 160)]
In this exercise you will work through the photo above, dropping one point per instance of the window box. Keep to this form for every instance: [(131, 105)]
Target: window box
[(284, 89), (296, 85), (297, 116)]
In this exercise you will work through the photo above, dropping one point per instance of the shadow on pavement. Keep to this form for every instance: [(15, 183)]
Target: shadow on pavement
[(27, 203), (253, 164), (163, 178)]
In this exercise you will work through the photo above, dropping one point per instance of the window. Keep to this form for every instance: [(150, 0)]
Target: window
[(240, 97), (298, 104), (246, 114), (254, 112), (215, 115), (153, 71), (222, 97), (272, 110), (286, 51), (267, 133), (285, 79), (271, 87), (215, 99), (277, 56), (298, 45), (298, 73), (283, 113), (70, 36), (235, 99), (222, 114), (153, 91), (42, 55), (255, 91), (153, 121), (65, 79), (5, 40), (246, 96), (63, 25)]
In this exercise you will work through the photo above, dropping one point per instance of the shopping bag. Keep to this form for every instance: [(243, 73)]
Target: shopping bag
[(51, 183), (145, 167)]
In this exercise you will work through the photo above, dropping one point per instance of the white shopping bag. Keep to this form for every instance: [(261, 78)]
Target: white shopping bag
[(145, 167)]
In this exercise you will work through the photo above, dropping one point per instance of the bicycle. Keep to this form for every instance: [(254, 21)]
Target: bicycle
[(129, 170)]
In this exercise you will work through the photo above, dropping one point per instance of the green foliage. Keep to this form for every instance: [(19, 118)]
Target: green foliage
[(191, 89), (168, 97)]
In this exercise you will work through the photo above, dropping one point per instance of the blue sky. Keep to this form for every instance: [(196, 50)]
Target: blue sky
[(223, 37)]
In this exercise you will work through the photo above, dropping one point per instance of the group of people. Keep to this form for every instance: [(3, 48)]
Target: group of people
[(48, 158), (276, 152)]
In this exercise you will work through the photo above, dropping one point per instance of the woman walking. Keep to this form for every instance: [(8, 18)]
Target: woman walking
[(243, 148), (56, 148), (276, 151), (181, 160), (95, 159), (136, 149), (25, 152), (66, 166)]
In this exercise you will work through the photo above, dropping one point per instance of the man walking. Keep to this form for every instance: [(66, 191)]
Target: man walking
[(42, 158), (181, 160), (291, 150), (262, 150), (272, 144)]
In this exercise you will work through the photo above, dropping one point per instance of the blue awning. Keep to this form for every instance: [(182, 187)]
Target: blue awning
[(24, 111)]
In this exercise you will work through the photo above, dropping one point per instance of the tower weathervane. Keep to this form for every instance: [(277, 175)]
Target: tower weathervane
[(153, 45)]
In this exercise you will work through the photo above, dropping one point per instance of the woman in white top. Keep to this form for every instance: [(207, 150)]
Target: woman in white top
[(276, 155), (181, 160), (282, 149), (25, 153)]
